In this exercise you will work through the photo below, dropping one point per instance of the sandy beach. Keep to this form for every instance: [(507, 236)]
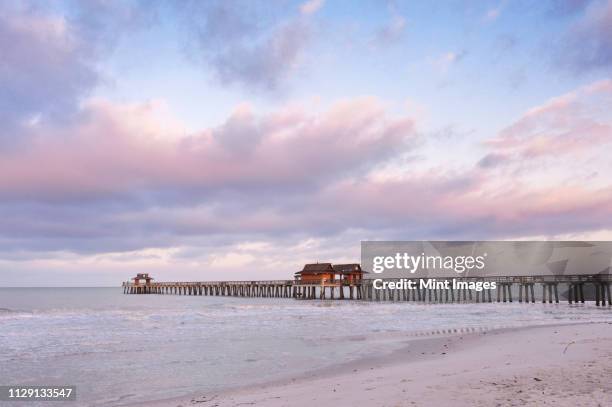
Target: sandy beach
[(553, 365)]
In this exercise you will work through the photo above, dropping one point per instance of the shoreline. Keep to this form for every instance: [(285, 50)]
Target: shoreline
[(385, 379)]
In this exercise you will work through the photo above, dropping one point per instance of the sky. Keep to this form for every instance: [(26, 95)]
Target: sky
[(229, 140)]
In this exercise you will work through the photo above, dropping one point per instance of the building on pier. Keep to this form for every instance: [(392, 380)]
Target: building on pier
[(144, 277), (316, 273), (348, 273), (326, 273)]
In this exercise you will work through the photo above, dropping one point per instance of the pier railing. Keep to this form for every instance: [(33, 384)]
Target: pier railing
[(219, 283)]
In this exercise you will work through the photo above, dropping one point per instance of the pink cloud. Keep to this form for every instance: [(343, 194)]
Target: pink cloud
[(128, 177), (564, 125), (117, 148), (442, 205)]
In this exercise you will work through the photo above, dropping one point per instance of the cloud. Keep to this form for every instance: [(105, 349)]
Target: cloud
[(118, 148), (392, 31), (472, 206), (251, 45), (127, 178), (49, 59), (445, 61), (311, 6), (247, 44), (492, 160), (45, 67), (568, 7), (493, 14), (587, 45), (577, 122)]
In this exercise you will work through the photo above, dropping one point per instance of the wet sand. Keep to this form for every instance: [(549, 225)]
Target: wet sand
[(537, 366)]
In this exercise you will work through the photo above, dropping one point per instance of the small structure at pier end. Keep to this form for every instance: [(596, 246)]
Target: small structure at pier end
[(142, 276), (137, 287)]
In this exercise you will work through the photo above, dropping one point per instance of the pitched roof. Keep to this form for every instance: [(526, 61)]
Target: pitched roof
[(347, 268), (315, 268)]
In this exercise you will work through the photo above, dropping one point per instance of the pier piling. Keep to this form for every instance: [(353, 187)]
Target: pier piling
[(365, 291)]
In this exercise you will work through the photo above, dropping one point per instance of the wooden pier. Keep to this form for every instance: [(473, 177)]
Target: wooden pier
[(553, 289)]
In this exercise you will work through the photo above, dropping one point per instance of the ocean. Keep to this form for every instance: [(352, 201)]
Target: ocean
[(120, 349)]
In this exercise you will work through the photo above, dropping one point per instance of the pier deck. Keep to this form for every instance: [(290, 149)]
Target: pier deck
[(524, 289)]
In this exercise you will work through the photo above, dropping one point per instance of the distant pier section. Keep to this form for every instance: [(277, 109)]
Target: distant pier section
[(324, 281)]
